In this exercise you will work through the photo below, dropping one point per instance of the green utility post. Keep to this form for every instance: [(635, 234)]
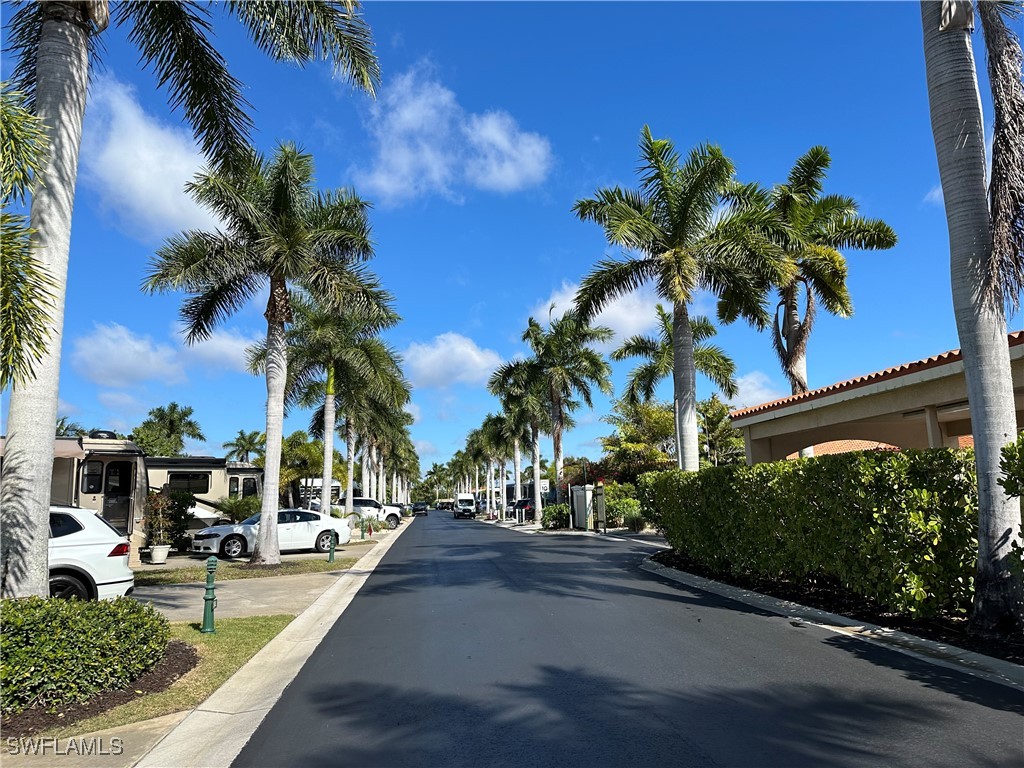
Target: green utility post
[(210, 598), (334, 540)]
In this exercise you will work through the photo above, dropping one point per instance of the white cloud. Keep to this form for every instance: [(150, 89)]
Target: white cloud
[(755, 388), (627, 315), (224, 350), (428, 144), (424, 448), (113, 356), (64, 408), (934, 196), (138, 166), (121, 403), (415, 412), (447, 359)]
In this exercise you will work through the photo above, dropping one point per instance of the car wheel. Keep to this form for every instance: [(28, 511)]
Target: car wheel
[(232, 546), (391, 522), (323, 541), (67, 587)]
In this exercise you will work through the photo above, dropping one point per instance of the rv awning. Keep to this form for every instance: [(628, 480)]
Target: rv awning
[(63, 448)]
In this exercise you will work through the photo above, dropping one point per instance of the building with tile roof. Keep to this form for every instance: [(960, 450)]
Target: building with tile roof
[(922, 404)]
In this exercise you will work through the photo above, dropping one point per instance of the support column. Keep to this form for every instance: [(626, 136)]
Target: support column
[(931, 422)]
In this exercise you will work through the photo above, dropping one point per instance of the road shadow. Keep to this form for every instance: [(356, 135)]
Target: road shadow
[(959, 684), (571, 717)]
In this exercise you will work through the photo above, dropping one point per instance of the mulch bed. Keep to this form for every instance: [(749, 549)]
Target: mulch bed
[(179, 659), (829, 596)]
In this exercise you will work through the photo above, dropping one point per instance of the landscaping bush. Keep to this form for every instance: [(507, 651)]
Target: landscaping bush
[(615, 494), (895, 527), (555, 516), (1012, 465), (624, 512), (58, 652)]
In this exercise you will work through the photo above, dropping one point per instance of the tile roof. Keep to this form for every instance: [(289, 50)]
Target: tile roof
[(1014, 339)]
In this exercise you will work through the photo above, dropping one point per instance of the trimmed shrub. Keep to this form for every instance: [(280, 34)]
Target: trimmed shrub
[(624, 512), (555, 516), (59, 652), (1012, 465), (899, 528)]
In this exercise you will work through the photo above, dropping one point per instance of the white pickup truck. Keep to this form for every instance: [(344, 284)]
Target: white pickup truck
[(388, 514)]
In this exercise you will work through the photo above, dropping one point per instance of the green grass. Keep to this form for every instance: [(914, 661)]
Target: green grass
[(220, 656), (231, 571)]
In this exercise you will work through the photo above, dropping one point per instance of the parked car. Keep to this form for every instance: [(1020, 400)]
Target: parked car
[(389, 514), (296, 529), (526, 508), (88, 556), (419, 508)]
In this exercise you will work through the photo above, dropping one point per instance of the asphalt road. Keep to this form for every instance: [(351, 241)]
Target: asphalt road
[(473, 645)]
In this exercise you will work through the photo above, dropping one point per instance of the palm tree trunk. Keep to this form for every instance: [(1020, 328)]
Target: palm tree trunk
[(267, 550), (517, 459), (62, 73), (503, 490), (684, 380), (556, 446), (382, 480), (535, 434), (490, 485), (796, 352), (328, 473), (350, 457), (958, 130)]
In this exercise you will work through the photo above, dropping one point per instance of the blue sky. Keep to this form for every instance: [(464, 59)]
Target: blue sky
[(492, 120)]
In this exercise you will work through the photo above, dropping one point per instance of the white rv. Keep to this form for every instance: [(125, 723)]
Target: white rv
[(208, 478), (105, 474)]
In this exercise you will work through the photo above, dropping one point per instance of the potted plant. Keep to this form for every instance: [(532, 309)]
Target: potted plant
[(158, 507)]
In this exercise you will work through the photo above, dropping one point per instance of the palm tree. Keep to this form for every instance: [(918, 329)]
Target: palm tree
[(721, 442), (279, 230), (816, 227), (53, 43), (244, 444), (524, 382), (986, 240), (566, 366), (682, 242), (68, 428), (333, 355), (25, 295), (708, 359), (176, 422)]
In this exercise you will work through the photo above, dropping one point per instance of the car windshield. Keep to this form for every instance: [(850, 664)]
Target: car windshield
[(251, 520)]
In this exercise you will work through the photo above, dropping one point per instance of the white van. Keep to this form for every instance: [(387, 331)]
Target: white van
[(465, 505)]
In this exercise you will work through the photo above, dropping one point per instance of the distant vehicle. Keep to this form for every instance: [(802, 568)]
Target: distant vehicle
[(419, 508), (296, 529), (529, 511), (389, 514), (444, 504), (465, 505), (88, 556)]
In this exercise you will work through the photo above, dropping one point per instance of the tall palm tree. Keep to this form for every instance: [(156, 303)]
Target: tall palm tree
[(25, 295), (54, 43), (568, 367), (524, 383), (68, 428), (244, 444), (278, 230), (816, 228), (333, 354), (657, 352), (986, 243), (682, 242)]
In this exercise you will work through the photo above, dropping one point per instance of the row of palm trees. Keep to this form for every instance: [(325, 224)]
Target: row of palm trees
[(55, 45)]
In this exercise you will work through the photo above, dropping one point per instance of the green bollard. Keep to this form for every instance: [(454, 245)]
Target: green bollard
[(334, 540), (210, 598)]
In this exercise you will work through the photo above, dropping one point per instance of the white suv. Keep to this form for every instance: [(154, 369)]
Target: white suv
[(388, 514), (88, 556)]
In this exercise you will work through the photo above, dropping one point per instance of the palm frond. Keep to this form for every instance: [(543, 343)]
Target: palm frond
[(637, 346), (611, 279), (173, 39), (805, 178)]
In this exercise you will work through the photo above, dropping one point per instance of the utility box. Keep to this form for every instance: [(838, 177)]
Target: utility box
[(600, 520), (582, 506)]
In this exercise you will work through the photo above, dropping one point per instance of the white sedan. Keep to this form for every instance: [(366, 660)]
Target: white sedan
[(296, 529)]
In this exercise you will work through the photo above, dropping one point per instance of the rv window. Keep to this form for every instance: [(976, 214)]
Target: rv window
[(248, 487), (193, 482), (92, 480), (233, 487)]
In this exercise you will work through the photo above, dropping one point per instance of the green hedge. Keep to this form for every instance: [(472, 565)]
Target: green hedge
[(899, 528), (555, 516), (58, 652)]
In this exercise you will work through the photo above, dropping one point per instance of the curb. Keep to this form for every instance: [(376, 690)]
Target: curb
[(949, 656), (214, 733)]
